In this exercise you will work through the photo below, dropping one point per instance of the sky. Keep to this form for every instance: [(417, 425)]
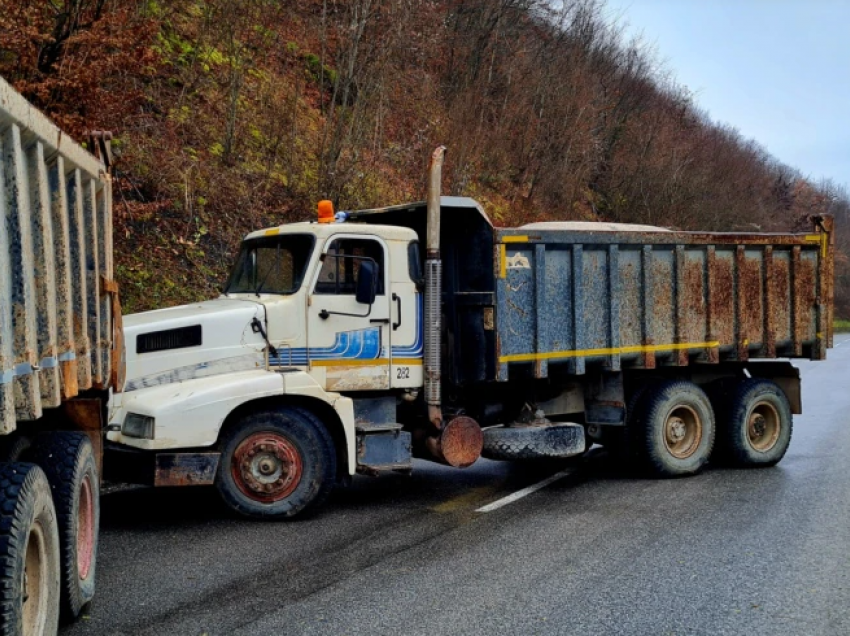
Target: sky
[(777, 70)]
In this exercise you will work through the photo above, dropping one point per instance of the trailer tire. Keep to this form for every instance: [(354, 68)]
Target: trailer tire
[(276, 464), (755, 429), (673, 429), (29, 553), (508, 443), (67, 459)]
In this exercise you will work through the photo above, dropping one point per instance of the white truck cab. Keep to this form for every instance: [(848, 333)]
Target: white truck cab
[(312, 311)]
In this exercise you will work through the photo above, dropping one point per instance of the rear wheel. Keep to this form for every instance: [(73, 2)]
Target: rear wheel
[(29, 553), (67, 459), (757, 425), (276, 464), (673, 429)]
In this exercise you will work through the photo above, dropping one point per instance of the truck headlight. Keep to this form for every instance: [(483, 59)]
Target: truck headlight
[(136, 425)]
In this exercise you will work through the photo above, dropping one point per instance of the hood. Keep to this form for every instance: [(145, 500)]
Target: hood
[(192, 341)]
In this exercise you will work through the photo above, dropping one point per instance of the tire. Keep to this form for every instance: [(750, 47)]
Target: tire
[(755, 429), (276, 464), (16, 450), (533, 442), (67, 458), (29, 553), (673, 430)]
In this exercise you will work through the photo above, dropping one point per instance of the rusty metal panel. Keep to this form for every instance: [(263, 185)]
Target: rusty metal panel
[(186, 469), (79, 280), (67, 350), (19, 226), (45, 279), (642, 298), (92, 274), (55, 246)]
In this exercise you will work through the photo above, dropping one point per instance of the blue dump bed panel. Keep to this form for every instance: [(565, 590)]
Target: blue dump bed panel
[(651, 298)]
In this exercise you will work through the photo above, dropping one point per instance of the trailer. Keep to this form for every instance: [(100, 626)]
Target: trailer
[(61, 353), (355, 342)]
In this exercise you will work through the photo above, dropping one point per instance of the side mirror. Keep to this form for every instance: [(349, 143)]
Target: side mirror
[(367, 282)]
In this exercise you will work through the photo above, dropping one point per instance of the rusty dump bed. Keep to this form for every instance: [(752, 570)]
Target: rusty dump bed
[(645, 297), (56, 289)]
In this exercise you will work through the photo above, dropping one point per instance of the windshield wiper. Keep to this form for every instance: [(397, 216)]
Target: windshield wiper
[(269, 270)]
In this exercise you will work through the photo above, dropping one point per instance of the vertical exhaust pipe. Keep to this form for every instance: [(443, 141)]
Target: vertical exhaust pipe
[(434, 293), (459, 441)]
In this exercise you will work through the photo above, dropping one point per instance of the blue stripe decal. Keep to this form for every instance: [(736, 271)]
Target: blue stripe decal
[(48, 363), (7, 376), (364, 344), (417, 349), (67, 356)]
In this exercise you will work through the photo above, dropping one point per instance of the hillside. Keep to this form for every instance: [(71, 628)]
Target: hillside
[(231, 115)]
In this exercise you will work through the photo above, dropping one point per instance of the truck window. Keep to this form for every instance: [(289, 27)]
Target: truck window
[(271, 265), (414, 263), (341, 266)]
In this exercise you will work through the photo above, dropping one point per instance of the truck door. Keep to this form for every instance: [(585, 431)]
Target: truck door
[(348, 341), (407, 320)]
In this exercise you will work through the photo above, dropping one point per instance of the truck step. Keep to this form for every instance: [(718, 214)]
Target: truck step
[(382, 447)]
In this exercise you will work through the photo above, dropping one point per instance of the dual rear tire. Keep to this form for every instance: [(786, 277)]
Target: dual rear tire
[(49, 518), (672, 430)]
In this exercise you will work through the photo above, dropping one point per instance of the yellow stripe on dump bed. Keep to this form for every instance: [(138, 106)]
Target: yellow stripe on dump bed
[(585, 353), (515, 239)]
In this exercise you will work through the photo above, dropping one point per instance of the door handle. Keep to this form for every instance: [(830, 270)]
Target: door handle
[(397, 300)]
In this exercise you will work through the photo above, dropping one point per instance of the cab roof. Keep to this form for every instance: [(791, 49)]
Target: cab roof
[(324, 230)]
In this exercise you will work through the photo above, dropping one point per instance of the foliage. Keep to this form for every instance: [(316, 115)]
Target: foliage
[(236, 114)]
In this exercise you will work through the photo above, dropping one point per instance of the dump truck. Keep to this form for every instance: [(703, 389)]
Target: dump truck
[(61, 353), (360, 340)]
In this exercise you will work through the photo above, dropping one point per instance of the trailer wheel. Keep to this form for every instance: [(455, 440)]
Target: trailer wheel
[(67, 459), (276, 464), (757, 425), (673, 429), (29, 553)]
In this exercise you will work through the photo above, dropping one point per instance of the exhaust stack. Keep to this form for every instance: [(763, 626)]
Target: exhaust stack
[(434, 293), (459, 441)]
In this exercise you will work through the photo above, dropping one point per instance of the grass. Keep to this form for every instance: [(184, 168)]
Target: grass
[(841, 326)]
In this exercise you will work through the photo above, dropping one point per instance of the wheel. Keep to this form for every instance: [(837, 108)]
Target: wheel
[(29, 553), (533, 442), (16, 450), (756, 427), (67, 458), (276, 464), (673, 429)]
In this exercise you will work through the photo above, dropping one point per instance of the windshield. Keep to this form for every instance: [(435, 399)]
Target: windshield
[(271, 265)]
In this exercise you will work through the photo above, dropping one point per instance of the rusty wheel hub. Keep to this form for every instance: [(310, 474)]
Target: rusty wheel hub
[(763, 427), (266, 467), (682, 432)]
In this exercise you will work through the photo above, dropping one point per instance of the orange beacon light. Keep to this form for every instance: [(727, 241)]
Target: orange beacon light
[(326, 211)]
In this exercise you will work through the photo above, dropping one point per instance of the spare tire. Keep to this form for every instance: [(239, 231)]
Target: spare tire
[(557, 441), (29, 553), (67, 459)]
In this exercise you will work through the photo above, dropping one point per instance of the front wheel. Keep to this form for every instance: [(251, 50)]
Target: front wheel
[(276, 464)]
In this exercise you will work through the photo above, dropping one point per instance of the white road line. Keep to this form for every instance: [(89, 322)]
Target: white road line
[(519, 494)]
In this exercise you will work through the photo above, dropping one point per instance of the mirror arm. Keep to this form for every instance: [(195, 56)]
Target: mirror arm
[(325, 314)]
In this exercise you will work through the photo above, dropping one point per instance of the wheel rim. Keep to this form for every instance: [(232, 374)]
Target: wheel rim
[(682, 432), (763, 427), (266, 467), (85, 529), (35, 583)]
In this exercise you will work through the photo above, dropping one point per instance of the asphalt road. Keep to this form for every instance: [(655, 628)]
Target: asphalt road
[(598, 552)]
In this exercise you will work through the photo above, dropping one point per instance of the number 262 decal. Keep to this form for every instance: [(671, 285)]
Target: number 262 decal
[(403, 373)]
